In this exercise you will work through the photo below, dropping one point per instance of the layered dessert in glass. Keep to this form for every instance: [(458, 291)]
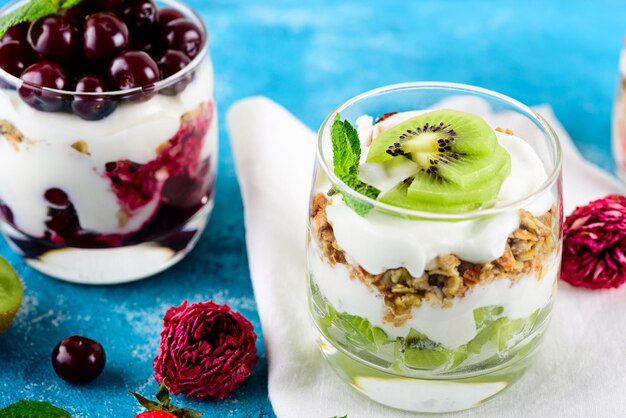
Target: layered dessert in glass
[(434, 243), (108, 137)]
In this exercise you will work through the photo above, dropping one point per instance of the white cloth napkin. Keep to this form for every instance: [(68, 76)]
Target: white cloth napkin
[(580, 371)]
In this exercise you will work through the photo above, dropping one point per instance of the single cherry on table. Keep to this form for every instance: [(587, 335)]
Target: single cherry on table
[(78, 360)]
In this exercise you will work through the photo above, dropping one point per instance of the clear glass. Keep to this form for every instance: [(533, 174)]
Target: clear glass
[(619, 120), (461, 332), (111, 200)]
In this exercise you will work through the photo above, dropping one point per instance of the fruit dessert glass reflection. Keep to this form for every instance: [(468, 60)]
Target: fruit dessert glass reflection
[(108, 138), (434, 243)]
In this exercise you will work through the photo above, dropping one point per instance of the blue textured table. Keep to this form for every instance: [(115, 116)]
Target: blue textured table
[(311, 58)]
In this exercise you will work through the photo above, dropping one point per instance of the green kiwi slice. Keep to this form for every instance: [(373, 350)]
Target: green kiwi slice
[(10, 294), (440, 135), (470, 171), (461, 165), (398, 196), (431, 187)]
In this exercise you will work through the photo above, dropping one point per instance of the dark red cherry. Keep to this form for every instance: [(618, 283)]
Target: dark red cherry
[(78, 360), (15, 57), (104, 36), (92, 107), (57, 197), (16, 33), (150, 41), (169, 64), (44, 74), (139, 15), (78, 14), (183, 35), (167, 14), (133, 69), (55, 39)]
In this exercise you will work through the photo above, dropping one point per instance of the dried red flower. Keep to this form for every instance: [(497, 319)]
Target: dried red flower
[(594, 244), (206, 350)]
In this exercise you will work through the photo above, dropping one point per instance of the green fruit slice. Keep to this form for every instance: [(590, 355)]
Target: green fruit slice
[(10, 294), (470, 171), (432, 136), (418, 351), (461, 164), (430, 188), (398, 196)]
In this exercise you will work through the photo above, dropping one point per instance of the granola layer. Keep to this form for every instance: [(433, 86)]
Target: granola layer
[(446, 277)]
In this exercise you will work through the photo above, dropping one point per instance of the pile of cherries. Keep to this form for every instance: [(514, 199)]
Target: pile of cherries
[(99, 46)]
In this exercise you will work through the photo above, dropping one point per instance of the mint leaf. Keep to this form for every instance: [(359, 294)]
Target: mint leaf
[(33, 409), (346, 149), (34, 10), (360, 332), (346, 159)]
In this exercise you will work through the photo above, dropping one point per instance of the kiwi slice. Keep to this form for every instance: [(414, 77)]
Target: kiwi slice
[(398, 196), (10, 294), (430, 187), (435, 137), (417, 351), (472, 170), (461, 165), (426, 187)]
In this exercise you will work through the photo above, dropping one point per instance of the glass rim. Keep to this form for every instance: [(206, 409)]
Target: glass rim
[(155, 87), (412, 213)]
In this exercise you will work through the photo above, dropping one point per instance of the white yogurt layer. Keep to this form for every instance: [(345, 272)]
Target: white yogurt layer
[(379, 241), (46, 159), (451, 326)]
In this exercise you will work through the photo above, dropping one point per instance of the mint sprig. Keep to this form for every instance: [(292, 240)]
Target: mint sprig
[(33, 10), (29, 409), (346, 159)]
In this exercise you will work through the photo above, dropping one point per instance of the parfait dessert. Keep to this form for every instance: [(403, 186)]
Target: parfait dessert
[(433, 246), (108, 135)]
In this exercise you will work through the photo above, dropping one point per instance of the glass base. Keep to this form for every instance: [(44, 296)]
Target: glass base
[(109, 265), (449, 394)]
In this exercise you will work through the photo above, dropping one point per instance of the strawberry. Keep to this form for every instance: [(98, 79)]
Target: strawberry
[(155, 414), (163, 408)]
